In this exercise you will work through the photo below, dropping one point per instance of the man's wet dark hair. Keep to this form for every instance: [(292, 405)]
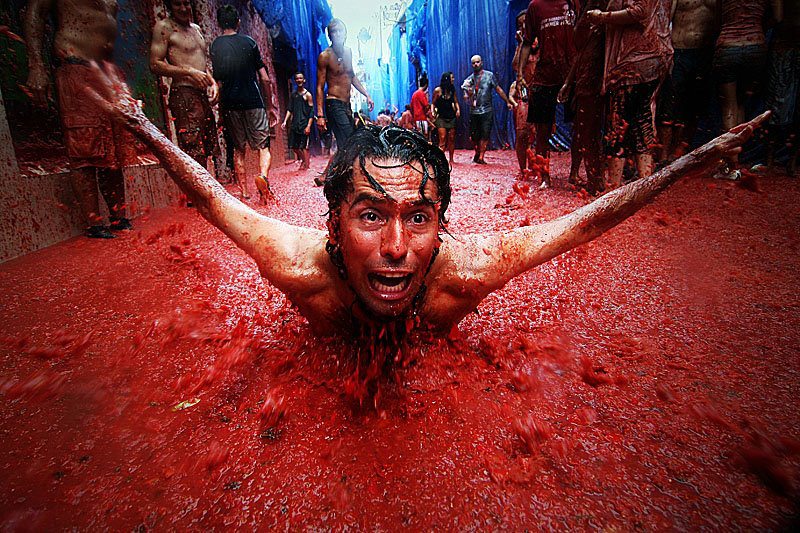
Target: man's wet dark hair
[(227, 17), (391, 143), (423, 81)]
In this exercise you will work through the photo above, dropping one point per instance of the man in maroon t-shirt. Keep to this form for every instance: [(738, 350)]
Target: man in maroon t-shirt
[(551, 22), (421, 107)]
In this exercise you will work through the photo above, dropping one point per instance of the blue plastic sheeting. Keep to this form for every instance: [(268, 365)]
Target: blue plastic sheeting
[(441, 36), (400, 71), (301, 25)]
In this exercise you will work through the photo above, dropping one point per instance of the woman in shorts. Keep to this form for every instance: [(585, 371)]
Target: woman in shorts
[(446, 112)]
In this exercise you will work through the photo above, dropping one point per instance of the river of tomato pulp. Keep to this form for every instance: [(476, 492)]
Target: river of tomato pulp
[(646, 380)]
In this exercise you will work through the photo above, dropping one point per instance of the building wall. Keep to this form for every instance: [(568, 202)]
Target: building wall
[(37, 206)]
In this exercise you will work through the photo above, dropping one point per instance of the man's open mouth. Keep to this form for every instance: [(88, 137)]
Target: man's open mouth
[(389, 283)]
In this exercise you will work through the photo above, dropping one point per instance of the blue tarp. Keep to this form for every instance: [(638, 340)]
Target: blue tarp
[(301, 26), (441, 36)]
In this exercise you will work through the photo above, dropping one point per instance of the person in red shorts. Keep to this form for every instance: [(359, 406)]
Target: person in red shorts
[(96, 146)]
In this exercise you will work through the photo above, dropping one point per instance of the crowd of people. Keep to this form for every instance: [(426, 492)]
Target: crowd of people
[(634, 77), (383, 259), (607, 61)]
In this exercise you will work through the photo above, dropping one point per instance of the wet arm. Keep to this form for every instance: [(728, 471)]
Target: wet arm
[(360, 88), (493, 260), (321, 76), (35, 17)]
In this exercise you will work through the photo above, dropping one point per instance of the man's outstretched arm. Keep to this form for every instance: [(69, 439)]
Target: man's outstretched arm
[(492, 260), (272, 243)]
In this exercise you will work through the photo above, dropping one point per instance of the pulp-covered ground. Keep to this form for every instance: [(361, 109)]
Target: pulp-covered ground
[(648, 380)]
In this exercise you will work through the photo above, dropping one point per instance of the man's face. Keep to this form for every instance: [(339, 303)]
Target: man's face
[(477, 63), (300, 81), (181, 11), (337, 33), (387, 242)]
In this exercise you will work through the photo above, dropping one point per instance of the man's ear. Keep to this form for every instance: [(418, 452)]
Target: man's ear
[(333, 227)]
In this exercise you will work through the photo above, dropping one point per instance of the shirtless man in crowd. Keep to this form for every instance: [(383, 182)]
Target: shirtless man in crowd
[(335, 67), (383, 261), (686, 95), (178, 51), (85, 32)]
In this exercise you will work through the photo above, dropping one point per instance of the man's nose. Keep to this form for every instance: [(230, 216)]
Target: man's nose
[(394, 240)]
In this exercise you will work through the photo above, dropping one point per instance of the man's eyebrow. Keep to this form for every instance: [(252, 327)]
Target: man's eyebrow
[(369, 197)]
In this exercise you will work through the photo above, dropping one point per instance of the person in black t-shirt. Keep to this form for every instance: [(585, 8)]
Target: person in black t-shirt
[(239, 69), (299, 116)]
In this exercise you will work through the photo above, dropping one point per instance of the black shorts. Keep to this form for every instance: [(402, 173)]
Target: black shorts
[(247, 126), (685, 94), (542, 104), (480, 126), (298, 140), (630, 120), (740, 64)]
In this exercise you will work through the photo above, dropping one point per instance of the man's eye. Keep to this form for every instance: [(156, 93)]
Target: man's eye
[(419, 218), (370, 217)]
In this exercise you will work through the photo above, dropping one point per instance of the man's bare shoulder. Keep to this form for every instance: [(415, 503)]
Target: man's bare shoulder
[(291, 257), (326, 55)]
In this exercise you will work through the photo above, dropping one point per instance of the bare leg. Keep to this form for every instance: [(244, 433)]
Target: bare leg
[(84, 185), (615, 167), (304, 158), (442, 133), (521, 147), (576, 156), (482, 145), (543, 149), (112, 187), (451, 143), (730, 108), (264, 160), (241, 173), (644, 164)]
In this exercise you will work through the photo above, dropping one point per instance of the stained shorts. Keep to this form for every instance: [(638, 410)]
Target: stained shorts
[(630, 119), (92, 138), (339, 118), (194, 121), (480, 126), (247, 126)]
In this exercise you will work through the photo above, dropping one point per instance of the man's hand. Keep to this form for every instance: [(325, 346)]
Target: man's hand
[(729, 144), (563, 94), (307, 131), (199, 79), (107, 89), (213, 94), (594, 16), (322, 124), (39, 85)]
